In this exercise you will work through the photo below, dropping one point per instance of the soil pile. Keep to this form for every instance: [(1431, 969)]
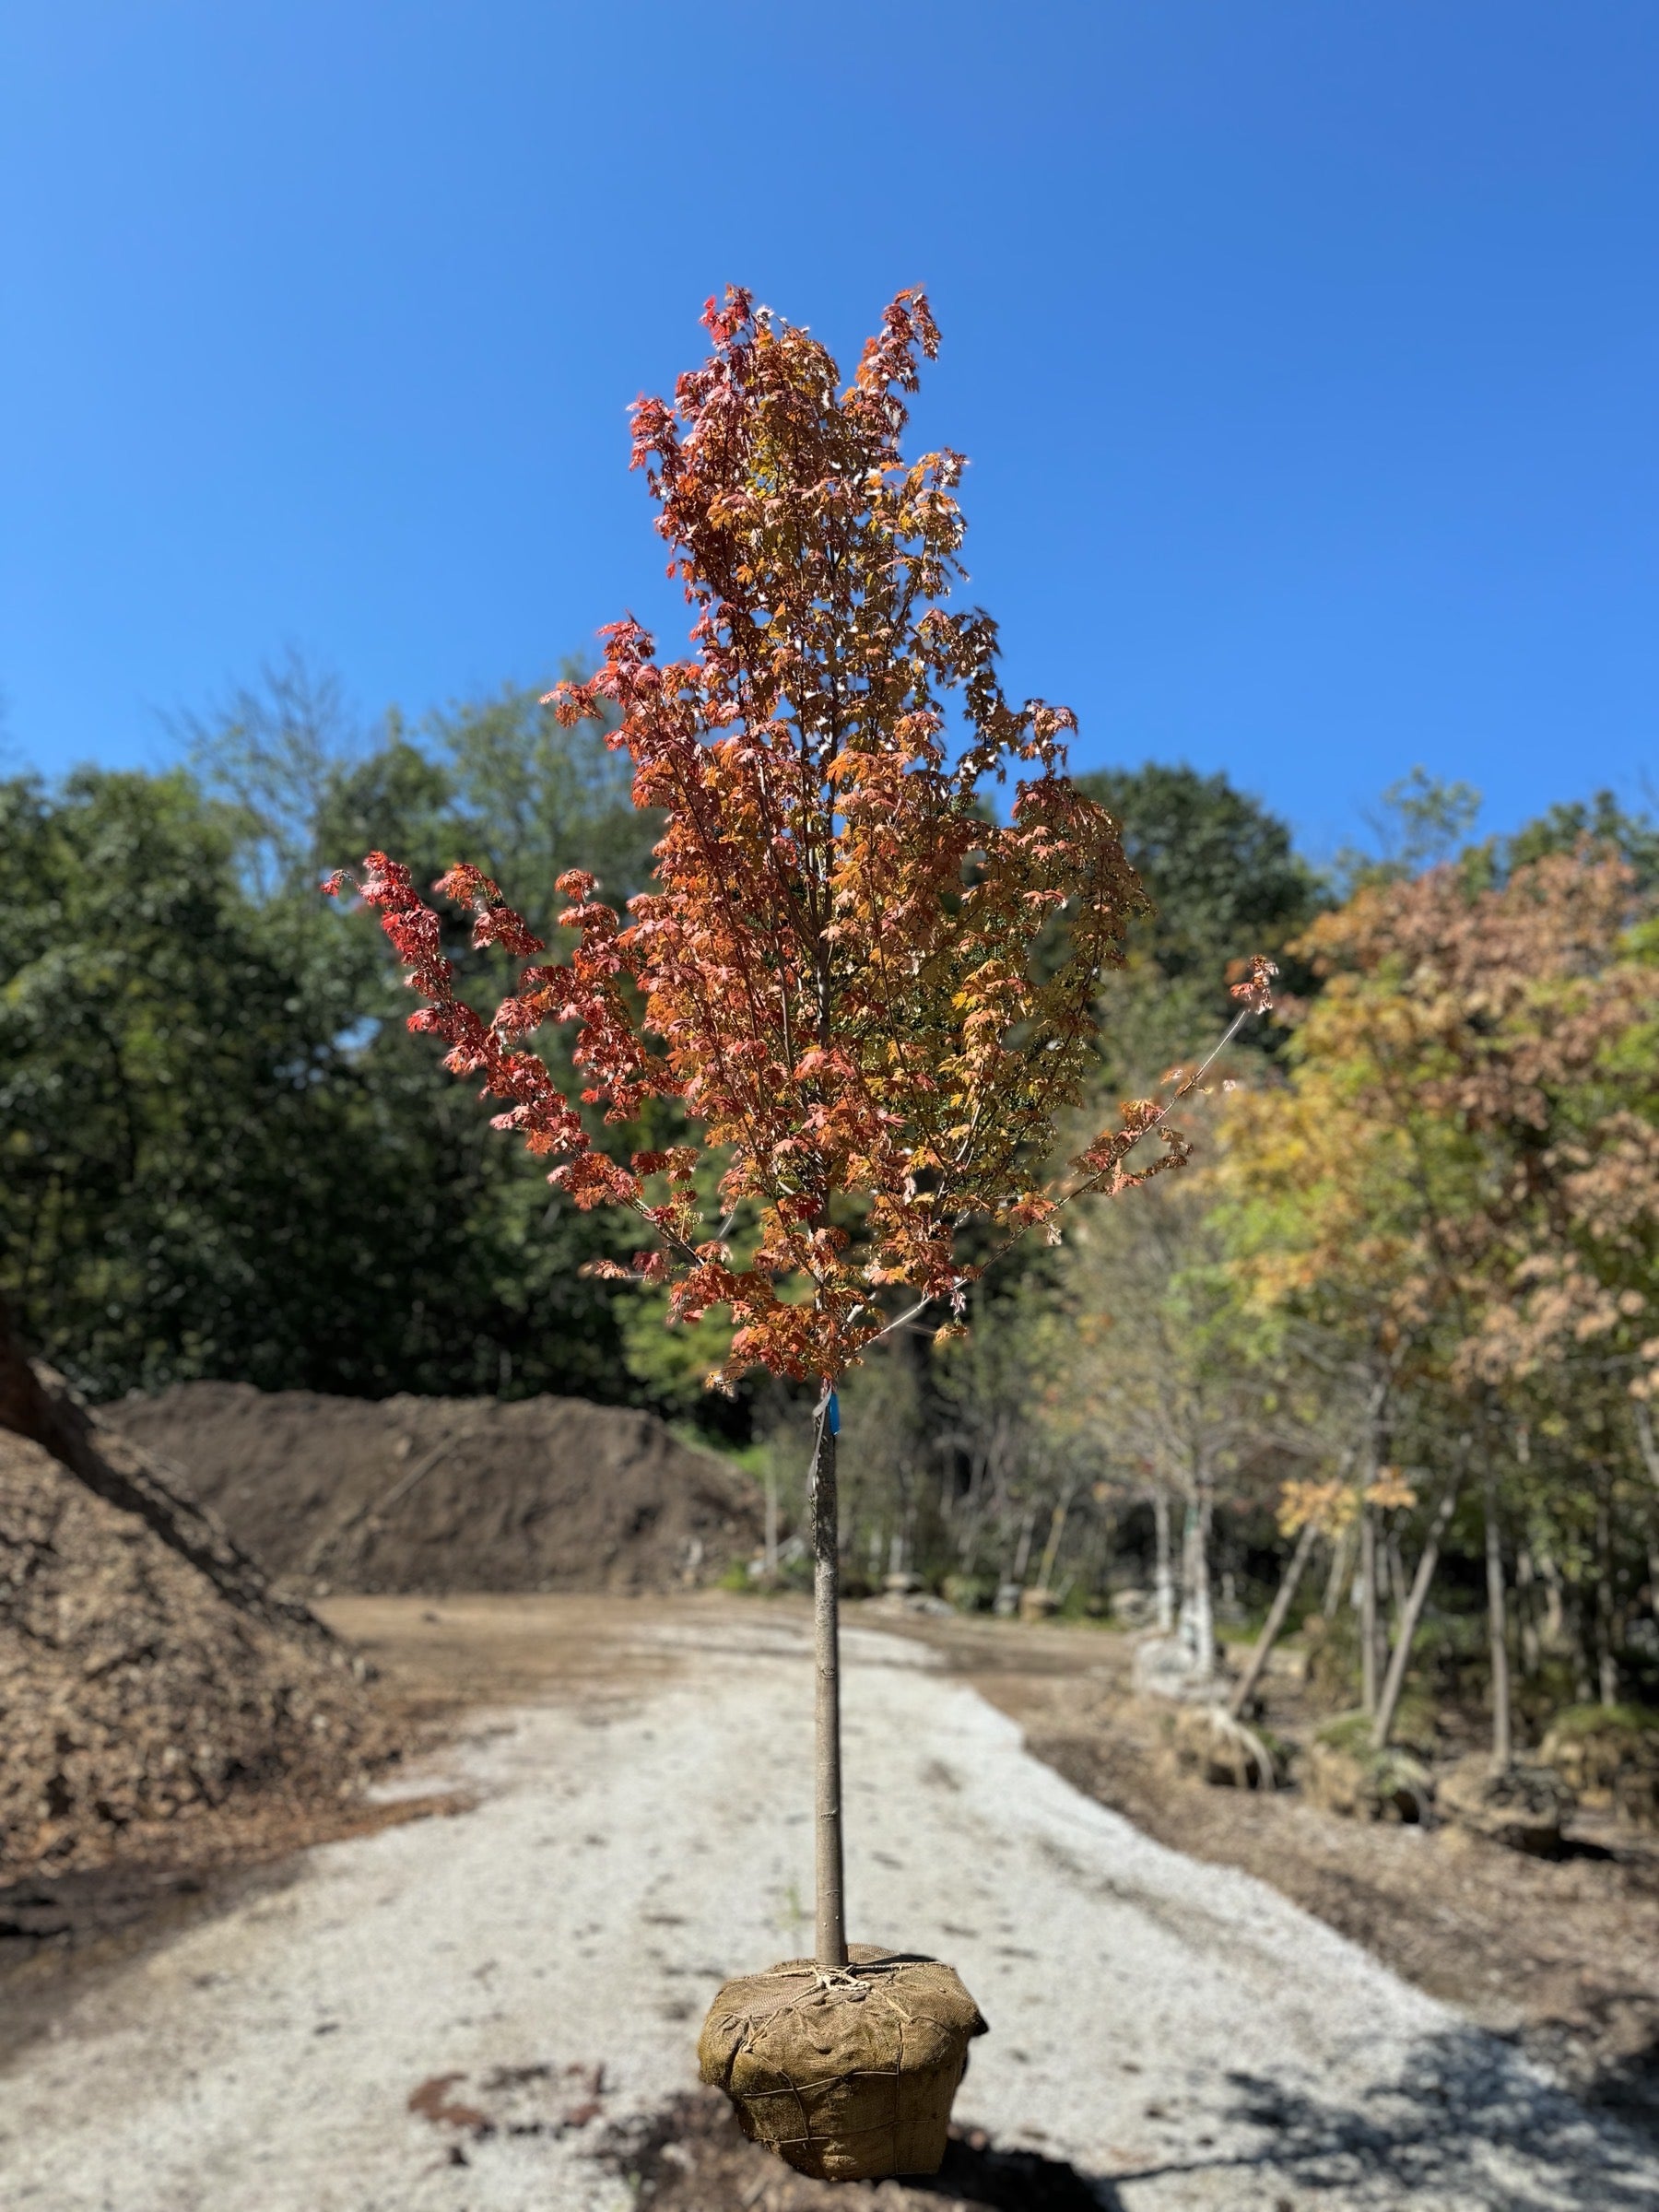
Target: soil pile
[(446, 1494), (147, 1671)]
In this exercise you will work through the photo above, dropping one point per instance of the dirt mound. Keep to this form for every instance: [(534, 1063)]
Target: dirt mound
[(442, 1494), (145, 1669)]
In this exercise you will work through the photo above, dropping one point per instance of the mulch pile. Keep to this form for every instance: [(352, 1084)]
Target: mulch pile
[(147, 1669), (411, 1494)]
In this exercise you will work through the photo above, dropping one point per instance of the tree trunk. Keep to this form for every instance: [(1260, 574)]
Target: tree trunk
[(1646, 1442), (1050, 1550), (1022, 1549), (1526, 1612), (1648, 1445), (826, 1626), (1368, 1609), (1395, 1679), (1607, 1662), (771, 1555), (1341, 1575), (1555, 1602), (1504, 1750), (1396, 1577), (1198, 1617), (1275, 1621), (1164, 1581), (1584, 1688)]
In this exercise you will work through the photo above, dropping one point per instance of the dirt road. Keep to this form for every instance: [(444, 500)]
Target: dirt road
[(453, 2016)]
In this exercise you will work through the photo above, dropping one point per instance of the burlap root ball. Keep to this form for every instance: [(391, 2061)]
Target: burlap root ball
[(850, 2077)]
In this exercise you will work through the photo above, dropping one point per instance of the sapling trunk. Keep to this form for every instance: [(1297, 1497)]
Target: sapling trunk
[(1050, 1550), (1526, 1612), (1646, 1442), (1395, 1681), (1275, 1621), (1163, 1580), (1648, 1445), (1197, 1615), (832, 1919), (1341, 1575), (1022, 1549), (1606, 1661), (1397, 1576), (1497, 1632), (1368, 1610)]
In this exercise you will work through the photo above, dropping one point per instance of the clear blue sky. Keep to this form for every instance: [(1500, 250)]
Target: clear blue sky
[(1306, 354)]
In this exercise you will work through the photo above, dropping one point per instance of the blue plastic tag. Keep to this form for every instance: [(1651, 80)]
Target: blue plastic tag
[(834, 1413)]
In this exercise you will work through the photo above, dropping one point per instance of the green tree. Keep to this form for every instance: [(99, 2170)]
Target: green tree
[(211, 1120), (1602, 821), (1221, 870), (1225, 883)]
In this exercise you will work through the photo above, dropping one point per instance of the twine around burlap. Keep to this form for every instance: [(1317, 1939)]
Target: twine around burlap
[(847, 2075)]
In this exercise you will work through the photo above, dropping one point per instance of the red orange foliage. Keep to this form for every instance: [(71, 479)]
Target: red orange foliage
[(836, 974)]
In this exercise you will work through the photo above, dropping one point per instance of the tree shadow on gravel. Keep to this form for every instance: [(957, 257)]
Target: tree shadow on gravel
[(1465, 2125), (690, 2157)]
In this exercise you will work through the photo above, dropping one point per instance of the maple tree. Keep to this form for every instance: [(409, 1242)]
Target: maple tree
[(831, 979), (1462, 1176)]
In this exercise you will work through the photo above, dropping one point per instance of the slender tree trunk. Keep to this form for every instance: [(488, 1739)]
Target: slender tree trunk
[(899, 1554), (972, 1502), (826, 1625), (1555, 1604), (1197, 1615), (1368, 1609), (1022, 1550), (1163, 1580), (1341, 1573), (1648, 1445), (1584, 1688), (1503, 1750), (1395, 1681), (1371, 1629), (1526, 1612), (1396, 1577), (770, 1558), (1606, 1661), (1275, 1621), (1050, 1550)]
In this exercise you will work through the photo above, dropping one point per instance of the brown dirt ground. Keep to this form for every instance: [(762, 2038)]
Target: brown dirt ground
[(445, 1494), (430, 1661), (1562, 1955)]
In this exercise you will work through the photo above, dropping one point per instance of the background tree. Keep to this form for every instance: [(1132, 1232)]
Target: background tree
[(211, 1119), (1186, 1395), (1462, 1172), (1221, 870)]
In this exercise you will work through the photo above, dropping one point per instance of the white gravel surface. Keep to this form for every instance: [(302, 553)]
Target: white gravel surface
[(1177, 2029)]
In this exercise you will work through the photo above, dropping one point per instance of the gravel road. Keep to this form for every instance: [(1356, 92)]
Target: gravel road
[(450, 2016)]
